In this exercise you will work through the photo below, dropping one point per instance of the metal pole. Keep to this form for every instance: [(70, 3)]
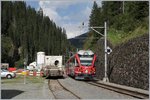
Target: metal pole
[(64, 59), (24, 73), (123, 7), (105, 49)]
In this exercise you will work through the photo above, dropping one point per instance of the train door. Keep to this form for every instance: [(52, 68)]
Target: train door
[(77, 67), (72, 66)]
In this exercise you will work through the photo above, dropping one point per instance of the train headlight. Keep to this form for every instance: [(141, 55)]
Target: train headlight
[(86, 71)]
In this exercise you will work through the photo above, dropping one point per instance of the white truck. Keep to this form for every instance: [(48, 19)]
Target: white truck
[(53, 66), (32, 66)]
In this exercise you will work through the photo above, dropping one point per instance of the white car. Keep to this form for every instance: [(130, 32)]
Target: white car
[(7, 74)]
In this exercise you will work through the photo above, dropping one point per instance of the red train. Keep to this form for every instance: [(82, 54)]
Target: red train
[(81, 65)]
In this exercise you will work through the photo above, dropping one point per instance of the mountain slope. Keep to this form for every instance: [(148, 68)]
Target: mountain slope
[(78, 41)]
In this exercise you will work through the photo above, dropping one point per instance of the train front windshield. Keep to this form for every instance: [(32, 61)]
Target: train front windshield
[(86, 60)]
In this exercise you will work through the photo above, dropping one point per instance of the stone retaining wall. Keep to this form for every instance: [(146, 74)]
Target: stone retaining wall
[(128, 64)]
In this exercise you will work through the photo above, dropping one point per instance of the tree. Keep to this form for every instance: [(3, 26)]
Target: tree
[(135, 14), (29, 32)]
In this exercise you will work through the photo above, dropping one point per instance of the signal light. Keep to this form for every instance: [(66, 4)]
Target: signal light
[(86, 71)]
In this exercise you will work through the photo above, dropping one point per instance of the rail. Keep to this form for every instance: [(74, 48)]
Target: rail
[(63, 88), (69, 90), (51, 90), (137, 93)]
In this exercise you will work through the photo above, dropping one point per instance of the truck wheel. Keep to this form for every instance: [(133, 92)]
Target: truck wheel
[(9, 76)]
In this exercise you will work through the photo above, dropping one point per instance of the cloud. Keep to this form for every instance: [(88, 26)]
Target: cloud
[(64, 15), (74, 29), (49, 10)]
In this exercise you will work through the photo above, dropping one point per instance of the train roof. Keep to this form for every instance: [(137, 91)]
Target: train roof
[(85, 52), (82, 52)]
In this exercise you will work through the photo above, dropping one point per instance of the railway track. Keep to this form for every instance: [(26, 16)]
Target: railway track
[(137, 93), (59, 91)]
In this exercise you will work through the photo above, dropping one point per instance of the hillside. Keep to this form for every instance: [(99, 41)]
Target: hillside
[(128, 64), (27, 32), (78, 41)]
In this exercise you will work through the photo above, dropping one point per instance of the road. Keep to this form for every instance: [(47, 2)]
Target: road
[(26, 91)]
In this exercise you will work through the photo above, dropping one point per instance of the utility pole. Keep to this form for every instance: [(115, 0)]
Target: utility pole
[(105, 38), (25, 71), (123, 7), (64, 60), (105, 47), (25, 64)]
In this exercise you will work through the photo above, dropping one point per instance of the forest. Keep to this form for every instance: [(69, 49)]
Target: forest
[(26, 31), (125, 20)]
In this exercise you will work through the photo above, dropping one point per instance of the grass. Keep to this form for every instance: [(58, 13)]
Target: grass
[(20, 79), (137, 32), (117, 37)]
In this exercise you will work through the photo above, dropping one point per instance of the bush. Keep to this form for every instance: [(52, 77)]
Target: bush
[(19, 64)]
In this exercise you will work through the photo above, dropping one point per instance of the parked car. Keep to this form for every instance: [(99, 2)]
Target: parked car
[(7, 74)]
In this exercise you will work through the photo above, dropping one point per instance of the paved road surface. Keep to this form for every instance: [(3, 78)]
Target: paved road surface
[(26, 91)]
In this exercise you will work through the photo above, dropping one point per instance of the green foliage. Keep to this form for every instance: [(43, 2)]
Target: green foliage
[(116, 37), (136, 33), (125, 20), (94, 17), (31, 31), (20, 79), (19, 63), (7, 48)]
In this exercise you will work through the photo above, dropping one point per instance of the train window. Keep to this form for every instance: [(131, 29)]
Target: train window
[(86, 62), (86, 55)]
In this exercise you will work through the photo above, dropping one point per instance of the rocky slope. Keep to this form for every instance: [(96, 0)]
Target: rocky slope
[(128, 64)]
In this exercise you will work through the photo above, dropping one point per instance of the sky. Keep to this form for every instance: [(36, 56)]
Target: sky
[(68, 14)]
